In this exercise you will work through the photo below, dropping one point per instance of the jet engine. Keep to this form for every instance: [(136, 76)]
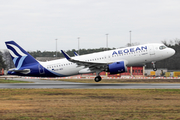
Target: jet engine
[(117, 67)]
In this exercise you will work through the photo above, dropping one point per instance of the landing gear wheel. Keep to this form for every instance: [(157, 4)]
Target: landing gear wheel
[(154, 66), (97, 78)]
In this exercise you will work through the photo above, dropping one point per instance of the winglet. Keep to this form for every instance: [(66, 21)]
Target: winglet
[(76, 54), (66, 55)]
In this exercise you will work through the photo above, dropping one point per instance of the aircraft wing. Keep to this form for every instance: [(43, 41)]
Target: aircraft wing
[(90, 65)]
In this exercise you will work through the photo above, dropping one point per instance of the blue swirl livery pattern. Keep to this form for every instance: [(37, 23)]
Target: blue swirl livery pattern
[(25, 64)]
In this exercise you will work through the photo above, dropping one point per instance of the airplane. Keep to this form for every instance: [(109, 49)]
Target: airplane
[(113, 61)]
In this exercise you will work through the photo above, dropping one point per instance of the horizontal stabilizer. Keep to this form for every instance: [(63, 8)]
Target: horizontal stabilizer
[(25, 71)]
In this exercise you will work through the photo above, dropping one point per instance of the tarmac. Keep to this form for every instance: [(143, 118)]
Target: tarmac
[(39, 84)]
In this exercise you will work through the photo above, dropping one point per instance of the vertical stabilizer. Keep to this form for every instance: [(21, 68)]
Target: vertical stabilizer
[(19, 56)]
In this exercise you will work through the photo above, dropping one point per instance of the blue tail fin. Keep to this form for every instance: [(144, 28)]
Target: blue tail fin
[(19, 56)]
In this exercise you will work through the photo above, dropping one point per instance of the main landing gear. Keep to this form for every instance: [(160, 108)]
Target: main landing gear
[(154, 66), (98, 77)]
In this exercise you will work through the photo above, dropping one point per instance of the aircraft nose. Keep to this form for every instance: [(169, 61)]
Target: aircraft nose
[(172, 51)]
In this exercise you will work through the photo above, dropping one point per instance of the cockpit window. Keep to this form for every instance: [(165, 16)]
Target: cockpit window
[(162, 47)]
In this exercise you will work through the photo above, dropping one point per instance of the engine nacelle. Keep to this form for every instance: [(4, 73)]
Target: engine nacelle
[(117, 67)]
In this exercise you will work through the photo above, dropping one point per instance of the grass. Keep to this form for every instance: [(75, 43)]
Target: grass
[(121, 80), (12, 81), (88, 104)]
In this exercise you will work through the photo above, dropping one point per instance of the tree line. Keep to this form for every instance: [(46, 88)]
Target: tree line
[(2, 62)]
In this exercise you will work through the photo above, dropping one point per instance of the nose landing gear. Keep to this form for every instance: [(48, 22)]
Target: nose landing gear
[(154, 66)]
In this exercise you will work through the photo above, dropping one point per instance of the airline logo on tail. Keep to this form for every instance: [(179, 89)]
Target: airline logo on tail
[(17, 55), (20, 57), (25, 64)]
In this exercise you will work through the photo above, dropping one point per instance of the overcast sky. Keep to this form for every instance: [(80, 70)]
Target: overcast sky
[(35, 24)]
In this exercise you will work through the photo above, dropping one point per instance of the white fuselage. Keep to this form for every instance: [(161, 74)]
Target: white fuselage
[(134, 56)]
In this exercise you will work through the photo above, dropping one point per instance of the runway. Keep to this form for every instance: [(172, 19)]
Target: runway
[(72, 85)]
